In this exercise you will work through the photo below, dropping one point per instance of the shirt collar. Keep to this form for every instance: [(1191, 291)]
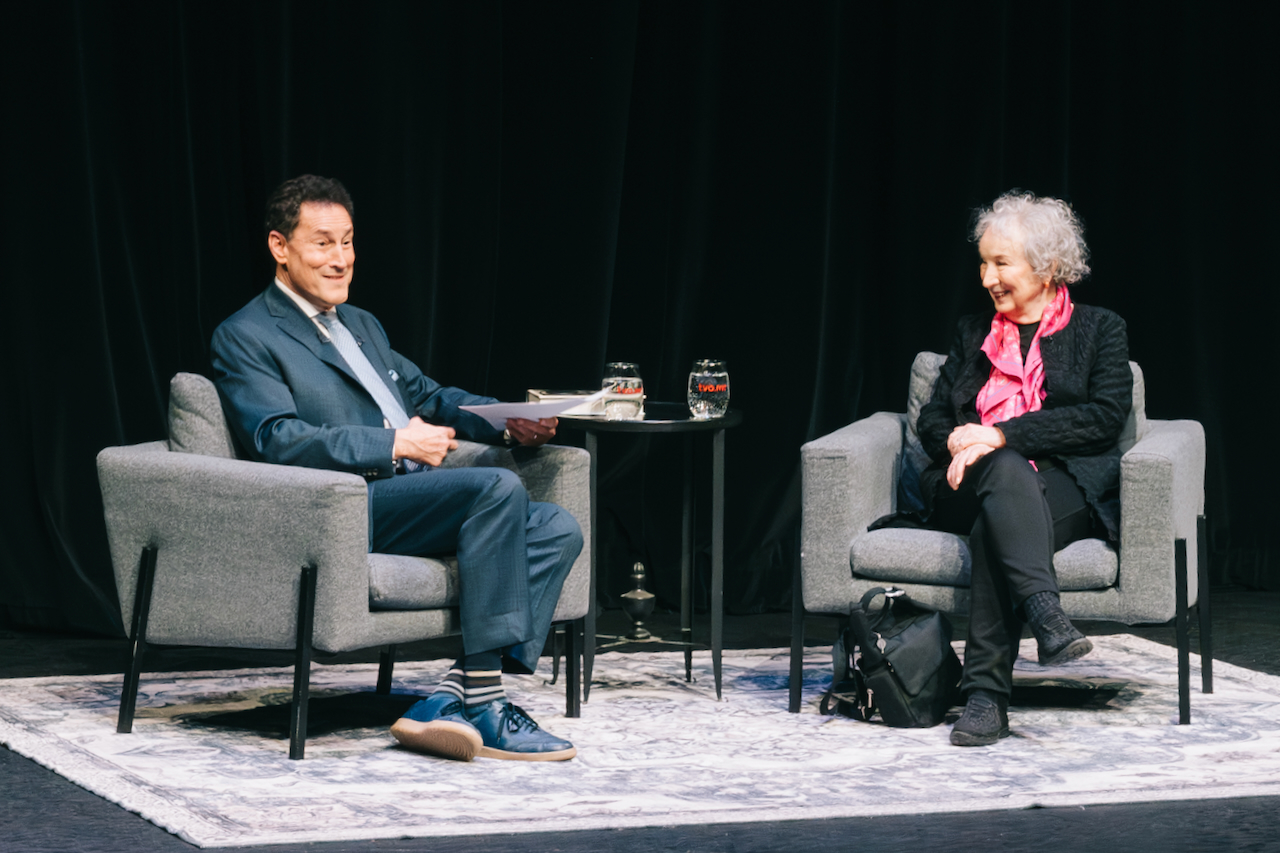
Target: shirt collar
[(307, 308)]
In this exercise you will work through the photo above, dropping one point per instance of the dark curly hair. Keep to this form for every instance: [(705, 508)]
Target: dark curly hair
[(285, 204)]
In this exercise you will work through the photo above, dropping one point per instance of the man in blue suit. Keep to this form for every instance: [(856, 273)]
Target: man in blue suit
[(309, 380)]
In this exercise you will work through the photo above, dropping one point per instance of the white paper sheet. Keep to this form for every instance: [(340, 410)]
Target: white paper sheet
[(497, 414)]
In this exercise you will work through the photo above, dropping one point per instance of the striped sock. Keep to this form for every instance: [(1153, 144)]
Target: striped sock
[(452, 682), (481, 686)]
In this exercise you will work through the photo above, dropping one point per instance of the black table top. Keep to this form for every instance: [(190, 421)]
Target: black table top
[(658, 417)]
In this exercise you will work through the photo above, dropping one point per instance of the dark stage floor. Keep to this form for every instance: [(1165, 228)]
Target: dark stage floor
[(41, 813)]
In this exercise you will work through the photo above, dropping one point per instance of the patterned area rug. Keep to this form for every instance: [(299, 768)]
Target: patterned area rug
[(205, 763)]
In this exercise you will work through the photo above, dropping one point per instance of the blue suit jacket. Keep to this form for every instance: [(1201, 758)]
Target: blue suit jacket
[(292, 400)]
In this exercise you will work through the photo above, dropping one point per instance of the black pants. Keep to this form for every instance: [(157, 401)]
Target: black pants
[(1016, 518)]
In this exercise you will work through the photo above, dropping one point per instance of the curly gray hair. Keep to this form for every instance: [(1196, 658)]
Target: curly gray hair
[(1051, 234)]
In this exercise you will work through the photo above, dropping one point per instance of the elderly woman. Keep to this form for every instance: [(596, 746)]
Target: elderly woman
[(1022, 429)]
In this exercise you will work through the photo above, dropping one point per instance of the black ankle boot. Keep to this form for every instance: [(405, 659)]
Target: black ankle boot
[(1057, 640), (985, 720)]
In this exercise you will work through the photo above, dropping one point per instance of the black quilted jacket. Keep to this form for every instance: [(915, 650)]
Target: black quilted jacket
[(1089, 392)]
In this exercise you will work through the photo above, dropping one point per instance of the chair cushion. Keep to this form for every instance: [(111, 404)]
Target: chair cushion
[(196, 422), (900, 555), (1086, 564), (412, 583)]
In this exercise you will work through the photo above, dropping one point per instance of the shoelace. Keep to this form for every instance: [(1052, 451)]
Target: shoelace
[(1057, 624), (517, 719), (982, 710)]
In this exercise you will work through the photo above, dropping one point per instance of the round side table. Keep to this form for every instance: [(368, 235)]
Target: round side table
[(667, 418)]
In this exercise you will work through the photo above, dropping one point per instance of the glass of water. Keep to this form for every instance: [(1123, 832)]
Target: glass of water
[(708, 389), (625, 400)]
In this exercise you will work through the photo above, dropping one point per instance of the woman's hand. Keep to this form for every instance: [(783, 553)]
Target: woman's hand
[(967, 435), (961, 461)]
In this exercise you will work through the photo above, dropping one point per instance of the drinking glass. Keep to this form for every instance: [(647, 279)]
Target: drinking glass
[(708, 389), (625, 400)]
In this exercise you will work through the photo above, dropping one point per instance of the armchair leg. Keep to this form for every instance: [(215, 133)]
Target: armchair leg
[(1202, 606), (797, 639), (573, 632), (557, 634), (302, 664), (386, 668), (138, 646), (1181, 629)]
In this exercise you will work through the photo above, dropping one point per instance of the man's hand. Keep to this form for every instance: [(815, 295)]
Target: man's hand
[(532, 433), (961, 461), (424, 442), (967, 435)]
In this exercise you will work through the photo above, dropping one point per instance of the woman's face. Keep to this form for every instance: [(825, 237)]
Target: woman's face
[(1016, 290)]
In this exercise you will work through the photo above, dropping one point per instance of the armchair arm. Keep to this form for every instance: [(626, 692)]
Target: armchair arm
[(1161, 494), (850, 479), (232, 538), (471, 454), (562, 475), (550, 473), (559, 475), (554, 474)]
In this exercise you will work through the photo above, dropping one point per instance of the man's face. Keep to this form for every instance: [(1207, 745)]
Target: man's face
[(316, 261)]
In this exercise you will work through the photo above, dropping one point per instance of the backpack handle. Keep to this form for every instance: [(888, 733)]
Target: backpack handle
[(889, 593)]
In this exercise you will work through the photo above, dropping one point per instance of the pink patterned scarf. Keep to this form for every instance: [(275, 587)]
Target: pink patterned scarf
[(1015, 388)]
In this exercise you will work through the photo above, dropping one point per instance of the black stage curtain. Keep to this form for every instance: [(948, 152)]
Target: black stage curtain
[(543, 187)]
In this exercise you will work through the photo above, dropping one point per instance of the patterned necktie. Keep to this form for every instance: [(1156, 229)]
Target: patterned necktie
[(364, 371)]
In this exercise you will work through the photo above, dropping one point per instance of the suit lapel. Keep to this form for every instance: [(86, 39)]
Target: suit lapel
[(301, 328), (370, 345)]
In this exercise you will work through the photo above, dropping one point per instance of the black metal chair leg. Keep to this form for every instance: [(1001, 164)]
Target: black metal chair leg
[(687, 561), (797, 639), (302, 664), (573, 633), (557, 645), (138, 647), (1181, 629), (717, 558), (1203, 607), (589, 646), (386, 669)]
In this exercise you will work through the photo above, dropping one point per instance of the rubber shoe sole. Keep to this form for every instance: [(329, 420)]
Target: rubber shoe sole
[(506, 755), (441, 738), (510, 734), (963, 738), (1077, 648)]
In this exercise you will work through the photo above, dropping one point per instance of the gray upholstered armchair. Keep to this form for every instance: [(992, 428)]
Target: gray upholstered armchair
[(214, 550), (851, 478)]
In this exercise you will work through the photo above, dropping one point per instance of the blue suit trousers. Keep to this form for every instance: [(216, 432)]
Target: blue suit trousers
[(513, 553)]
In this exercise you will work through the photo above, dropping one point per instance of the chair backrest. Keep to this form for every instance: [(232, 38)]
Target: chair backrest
[(924, 375), (196, 422)]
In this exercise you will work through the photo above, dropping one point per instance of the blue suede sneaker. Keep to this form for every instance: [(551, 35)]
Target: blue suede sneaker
[(509, 733), (436, 726)]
